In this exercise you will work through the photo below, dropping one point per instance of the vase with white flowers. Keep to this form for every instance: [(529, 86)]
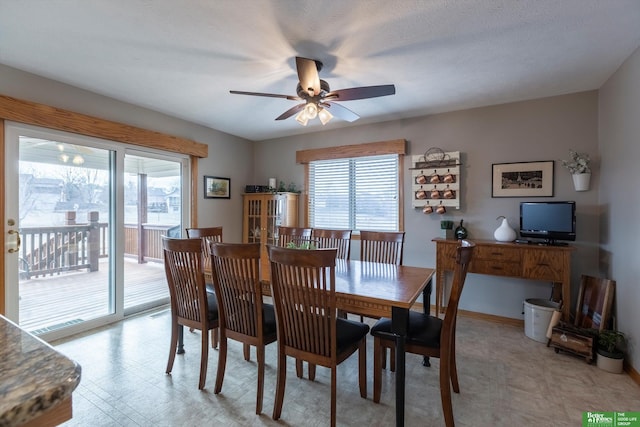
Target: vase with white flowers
[(578, 166)]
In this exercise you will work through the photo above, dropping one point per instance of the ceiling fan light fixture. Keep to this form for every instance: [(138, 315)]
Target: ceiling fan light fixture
[(324, 115), (302, 118), (311, 110)]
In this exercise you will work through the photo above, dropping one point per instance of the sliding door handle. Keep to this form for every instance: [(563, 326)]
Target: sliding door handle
[(17, 249)]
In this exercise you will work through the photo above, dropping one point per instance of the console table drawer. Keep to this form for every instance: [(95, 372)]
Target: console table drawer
[(495, 268), (497, 253), (543, 265)]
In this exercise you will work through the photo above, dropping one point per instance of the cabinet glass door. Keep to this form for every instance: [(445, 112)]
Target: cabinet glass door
[(273, 220), (254, 220)]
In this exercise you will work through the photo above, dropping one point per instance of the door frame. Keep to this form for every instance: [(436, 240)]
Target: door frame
[(11, 293), (28, 112)]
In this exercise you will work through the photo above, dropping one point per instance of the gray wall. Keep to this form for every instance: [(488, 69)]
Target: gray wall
[(229, 156), (542, 129), (619, 202)]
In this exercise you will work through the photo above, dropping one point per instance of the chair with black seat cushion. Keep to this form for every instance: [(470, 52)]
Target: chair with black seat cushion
[(295, 235), (339, 239), (208, 235), (243, 316), (429, 336), (191, 304), (386, 247), (303, 289)]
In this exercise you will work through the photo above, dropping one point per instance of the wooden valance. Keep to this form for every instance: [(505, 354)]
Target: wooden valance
[(396, 146), (32, 113)]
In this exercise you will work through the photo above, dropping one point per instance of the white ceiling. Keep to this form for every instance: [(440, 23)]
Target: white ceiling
[(182, 57)]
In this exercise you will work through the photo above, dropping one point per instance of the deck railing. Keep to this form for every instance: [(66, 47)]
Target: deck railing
[(54, 250)]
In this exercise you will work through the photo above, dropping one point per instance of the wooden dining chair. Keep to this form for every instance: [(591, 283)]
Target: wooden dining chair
[(303, 289), (339, 239), (382, 246), (243, 316), (296, 235), (191, 304), (429, 336), (386, 247), (208, 236)]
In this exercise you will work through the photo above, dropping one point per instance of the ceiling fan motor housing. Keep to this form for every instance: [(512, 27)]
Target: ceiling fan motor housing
[(304, 93)]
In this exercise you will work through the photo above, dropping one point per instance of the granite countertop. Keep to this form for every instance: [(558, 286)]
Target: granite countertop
[(34, 377)]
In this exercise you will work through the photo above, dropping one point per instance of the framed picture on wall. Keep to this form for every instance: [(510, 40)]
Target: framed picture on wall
[(216, 187), (527, 179)]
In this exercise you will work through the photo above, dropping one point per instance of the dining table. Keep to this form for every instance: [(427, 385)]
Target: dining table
[(374, 289)]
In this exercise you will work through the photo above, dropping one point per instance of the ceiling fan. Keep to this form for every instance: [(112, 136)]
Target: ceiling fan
[(318, 99)]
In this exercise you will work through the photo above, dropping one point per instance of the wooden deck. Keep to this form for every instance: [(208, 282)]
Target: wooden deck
[(48, 303)]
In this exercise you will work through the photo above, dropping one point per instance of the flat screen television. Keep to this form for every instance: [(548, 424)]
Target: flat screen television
[(553, 222)]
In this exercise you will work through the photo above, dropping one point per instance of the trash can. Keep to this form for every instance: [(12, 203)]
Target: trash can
[(537, 315)]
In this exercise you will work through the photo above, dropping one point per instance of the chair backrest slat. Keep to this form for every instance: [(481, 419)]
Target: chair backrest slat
[(382, 246), (208, 235), (236, 278), (339, 239), (304, 297), (183, 262), (296, 235)]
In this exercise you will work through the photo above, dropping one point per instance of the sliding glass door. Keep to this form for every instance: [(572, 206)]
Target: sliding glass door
[(60, 201), (85, 218), (152, 208)]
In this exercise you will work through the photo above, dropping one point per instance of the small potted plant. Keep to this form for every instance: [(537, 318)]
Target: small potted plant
[(302, 244), (578, 166), (447, 229), (611, 345)]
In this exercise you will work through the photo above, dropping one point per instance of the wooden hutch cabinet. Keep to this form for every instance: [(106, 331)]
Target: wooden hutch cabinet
[(263, 213)]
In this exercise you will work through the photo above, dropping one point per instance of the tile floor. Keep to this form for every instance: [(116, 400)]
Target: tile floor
[(506, 379)]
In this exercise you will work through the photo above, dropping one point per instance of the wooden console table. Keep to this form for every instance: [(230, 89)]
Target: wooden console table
[(522, 260)]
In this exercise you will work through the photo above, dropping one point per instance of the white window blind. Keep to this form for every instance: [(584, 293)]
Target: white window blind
[(356, 193)]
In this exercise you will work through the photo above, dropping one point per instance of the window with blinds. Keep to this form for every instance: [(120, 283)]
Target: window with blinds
[(359, 193)]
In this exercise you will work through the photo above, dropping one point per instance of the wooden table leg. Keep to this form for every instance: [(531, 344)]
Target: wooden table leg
[(426, 298), (399, 326)]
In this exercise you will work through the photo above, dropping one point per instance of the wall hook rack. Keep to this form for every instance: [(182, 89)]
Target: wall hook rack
[(446, 189)]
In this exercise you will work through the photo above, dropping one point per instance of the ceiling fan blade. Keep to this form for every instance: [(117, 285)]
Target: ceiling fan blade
[(341, 112), (308, 75), (291, 111), (270, 95), (360, 93)]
